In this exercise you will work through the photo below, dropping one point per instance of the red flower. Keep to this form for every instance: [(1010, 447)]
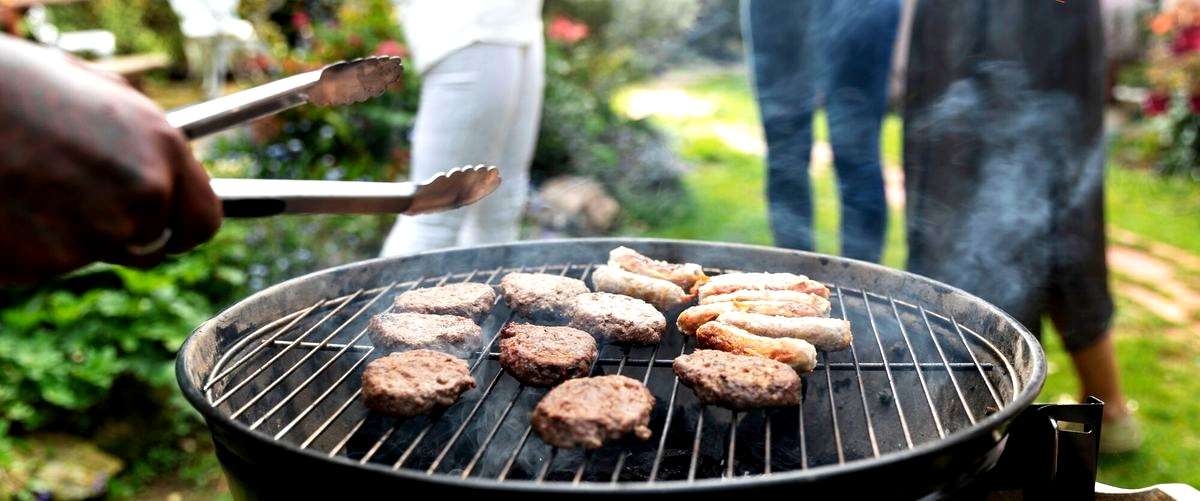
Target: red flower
[(1188, 40), (391, 48), (566, 30), (1156, 104), (300, 20), (1194, 103)]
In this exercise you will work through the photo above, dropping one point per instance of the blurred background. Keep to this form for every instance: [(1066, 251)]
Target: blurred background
[(649, 123)]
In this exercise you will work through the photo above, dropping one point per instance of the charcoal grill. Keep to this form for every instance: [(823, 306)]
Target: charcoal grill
[(922, 403)]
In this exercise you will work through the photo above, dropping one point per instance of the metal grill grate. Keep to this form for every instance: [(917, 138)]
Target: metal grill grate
[(911, 376)]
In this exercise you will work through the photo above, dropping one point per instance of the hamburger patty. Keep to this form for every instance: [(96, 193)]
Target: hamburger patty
[(616, 318), (587, 412), (545, 356), (407, 331), (468, 300), (540, 296), (414, 382), (738, 382)]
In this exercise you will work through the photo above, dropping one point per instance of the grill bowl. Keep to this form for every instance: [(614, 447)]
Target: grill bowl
[(276, 378)]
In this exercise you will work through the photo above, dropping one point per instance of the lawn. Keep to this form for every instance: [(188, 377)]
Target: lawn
[(712, 120)]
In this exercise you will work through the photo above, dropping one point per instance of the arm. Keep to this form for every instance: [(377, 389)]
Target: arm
[(88, 168)]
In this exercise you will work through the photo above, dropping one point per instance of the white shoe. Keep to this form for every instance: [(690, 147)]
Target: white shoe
[(1121, 435)]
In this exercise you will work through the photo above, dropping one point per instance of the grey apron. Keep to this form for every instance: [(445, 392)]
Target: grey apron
[(1004, 157)]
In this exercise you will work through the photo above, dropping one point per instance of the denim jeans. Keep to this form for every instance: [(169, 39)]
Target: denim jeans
[(835, 53)]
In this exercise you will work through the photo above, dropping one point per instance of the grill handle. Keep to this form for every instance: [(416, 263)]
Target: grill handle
[(268, 197)]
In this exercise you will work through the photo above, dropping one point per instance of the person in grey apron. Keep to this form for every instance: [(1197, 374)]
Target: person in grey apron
[(1004, 171)]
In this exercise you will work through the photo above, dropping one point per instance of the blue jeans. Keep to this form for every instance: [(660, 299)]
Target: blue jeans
[(836, 53)]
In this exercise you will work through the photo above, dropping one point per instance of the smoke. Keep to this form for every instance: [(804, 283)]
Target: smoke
[(1027, 161)]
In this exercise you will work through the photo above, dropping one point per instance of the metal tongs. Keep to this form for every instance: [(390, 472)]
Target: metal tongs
[(338, 84)]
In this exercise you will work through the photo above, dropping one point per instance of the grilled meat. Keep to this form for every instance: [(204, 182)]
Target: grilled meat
[(468, 300), (663, 294), (409, 331), (686, 275), (618, 319), (692, 318), (730, 282), (546, 356), (798, 354), (587, 412), (414, 382), (817, 302), (828, 334), (540, 296), (738, 382)]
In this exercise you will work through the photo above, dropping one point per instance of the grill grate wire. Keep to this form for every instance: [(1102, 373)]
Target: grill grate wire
[(265, 393)]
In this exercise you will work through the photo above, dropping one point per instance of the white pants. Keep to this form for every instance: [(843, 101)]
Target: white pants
[(479, 105)]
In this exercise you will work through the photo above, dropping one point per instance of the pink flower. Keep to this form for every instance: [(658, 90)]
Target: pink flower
[(391, 48), (300, 20), (1188, 40), (566, 30), (1156, 104)]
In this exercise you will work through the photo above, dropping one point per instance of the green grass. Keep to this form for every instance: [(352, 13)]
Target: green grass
[(1162, 209), (1159, 371)]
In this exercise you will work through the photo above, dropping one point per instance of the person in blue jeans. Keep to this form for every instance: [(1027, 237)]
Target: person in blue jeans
[(836, 53)]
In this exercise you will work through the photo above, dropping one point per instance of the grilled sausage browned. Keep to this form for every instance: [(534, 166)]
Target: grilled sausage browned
[(798, 354), (686, 275), (692, 318), (813, 300), (663, 294), (730, 282), (828, 334)]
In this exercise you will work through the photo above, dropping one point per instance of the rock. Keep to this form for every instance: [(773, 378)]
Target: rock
[(575, 205), (66, 467)]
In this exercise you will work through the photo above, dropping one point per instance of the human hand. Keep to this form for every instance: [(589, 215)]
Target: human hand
[(90, 170)]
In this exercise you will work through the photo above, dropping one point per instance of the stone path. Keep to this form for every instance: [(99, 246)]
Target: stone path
[(1153, 275)]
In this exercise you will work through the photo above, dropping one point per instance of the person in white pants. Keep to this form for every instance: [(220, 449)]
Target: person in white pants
[(481, 63)]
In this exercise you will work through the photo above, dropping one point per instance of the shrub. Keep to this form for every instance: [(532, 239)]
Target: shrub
[(138, 25), (580, 132), (65, 346), (1174, 74)]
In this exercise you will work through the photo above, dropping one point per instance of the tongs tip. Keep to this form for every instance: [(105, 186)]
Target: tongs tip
[(455, 188), (355, 81)]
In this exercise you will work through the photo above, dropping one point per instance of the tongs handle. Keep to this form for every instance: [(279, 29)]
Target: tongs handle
[(268, 197), (338, 84), (227, 111)]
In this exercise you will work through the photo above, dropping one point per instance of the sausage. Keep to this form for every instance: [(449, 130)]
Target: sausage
[(828, 334), (686, 275), (692, 318), (813, 300), (662, 294), (797, 353), (730, 282)]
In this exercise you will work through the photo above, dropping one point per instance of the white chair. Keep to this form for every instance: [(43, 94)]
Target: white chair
[(100, 43), (212, 30)]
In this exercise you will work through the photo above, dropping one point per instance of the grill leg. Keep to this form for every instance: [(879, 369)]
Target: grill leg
[(238, 475)]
